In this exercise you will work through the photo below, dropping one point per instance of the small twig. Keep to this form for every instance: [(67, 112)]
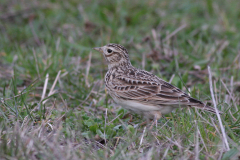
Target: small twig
[(216, 110)]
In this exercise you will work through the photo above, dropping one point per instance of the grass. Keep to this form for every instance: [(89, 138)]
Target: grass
[(70, 116)]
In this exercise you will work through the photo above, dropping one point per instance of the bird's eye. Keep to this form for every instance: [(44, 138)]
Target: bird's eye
[(109, 51)]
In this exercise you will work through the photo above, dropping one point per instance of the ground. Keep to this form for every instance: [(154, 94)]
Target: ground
[(53, 101)]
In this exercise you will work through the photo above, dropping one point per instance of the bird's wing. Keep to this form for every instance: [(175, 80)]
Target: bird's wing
[(155, 91)]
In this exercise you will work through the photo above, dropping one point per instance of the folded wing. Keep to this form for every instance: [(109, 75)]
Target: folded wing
[(156, 92)]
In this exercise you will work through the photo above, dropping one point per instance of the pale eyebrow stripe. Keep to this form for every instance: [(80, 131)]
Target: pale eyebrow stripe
[(120, 47)]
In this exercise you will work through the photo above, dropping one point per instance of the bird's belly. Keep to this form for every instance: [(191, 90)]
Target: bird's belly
[(142, 108)]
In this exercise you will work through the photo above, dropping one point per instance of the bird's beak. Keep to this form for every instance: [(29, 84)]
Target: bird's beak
[(99, 49)]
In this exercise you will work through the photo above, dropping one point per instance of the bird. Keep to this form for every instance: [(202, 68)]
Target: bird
[(140, 91)]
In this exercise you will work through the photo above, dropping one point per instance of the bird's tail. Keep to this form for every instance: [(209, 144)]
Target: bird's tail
[(207, 108)]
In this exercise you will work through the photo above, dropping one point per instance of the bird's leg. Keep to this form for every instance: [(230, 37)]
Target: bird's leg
[(127, 116), (153, 122), (157, 116), (143, 123)]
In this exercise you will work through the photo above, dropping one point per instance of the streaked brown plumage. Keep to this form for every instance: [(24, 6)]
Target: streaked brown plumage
[(140, 91)]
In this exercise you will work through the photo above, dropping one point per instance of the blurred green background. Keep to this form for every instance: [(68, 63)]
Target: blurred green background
[(173, 39)]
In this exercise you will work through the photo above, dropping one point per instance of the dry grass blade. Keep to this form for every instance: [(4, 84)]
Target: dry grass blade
[(141, 140), (165, 153), (114, 119), (88, 68), (35, 57), (217, 112), (51, 92), (95, 85), (197, 143), (105, 126), (44, 87), (230, 93), (204, 145), (175, 32), (170, 81)]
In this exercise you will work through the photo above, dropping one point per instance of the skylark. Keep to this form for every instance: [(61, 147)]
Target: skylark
[(140, 91)]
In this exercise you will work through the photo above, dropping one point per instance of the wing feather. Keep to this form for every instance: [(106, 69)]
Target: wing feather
[(153, 91)]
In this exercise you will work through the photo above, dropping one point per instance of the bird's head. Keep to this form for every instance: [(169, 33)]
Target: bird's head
[(115, 55)]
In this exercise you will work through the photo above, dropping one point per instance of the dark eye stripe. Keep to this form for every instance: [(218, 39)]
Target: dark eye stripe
[(118, 46)]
